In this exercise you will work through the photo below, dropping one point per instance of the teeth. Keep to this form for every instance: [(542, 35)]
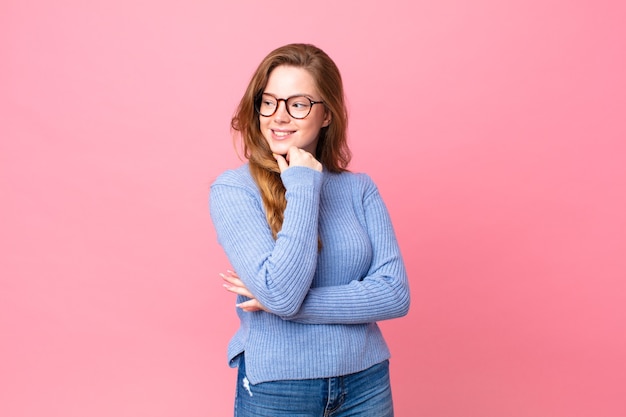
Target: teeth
[(282, 133)]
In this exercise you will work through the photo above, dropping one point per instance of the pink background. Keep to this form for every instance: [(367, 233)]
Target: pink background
[(495, 131)]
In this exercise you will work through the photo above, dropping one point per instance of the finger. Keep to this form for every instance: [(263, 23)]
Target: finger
[(233, 280), (238, 290), (300, 157), (293, 154), (250, 306), (282, 162)]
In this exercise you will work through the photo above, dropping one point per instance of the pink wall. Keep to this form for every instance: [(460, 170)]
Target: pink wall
[(495, 130)]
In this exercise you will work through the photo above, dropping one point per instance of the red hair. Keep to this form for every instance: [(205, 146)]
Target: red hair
[(332, 148)]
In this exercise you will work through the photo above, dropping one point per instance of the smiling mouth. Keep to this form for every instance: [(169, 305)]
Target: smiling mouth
[(282, 134)]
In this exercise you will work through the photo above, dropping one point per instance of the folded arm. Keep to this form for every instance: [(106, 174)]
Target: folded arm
[(266, 266)]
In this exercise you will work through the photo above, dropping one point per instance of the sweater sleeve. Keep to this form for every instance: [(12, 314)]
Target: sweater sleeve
[(266, 266), (382, 294)]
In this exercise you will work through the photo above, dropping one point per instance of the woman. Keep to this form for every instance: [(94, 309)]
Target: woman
[(316, 259)]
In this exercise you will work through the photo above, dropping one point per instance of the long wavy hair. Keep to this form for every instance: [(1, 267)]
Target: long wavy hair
[(332, 148)]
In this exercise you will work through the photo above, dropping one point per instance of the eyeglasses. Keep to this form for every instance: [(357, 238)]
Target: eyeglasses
[(298, 107)]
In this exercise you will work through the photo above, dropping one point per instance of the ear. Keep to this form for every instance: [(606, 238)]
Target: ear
[(327, 118)]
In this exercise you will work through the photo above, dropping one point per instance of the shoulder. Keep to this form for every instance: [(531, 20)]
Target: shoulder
[(354, 182), (238, 177), (234, 185)]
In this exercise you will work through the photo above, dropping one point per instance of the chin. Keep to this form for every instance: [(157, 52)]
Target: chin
[(280, 149)]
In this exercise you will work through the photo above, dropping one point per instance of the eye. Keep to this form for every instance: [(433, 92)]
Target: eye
[(300, 103), (267, 101)]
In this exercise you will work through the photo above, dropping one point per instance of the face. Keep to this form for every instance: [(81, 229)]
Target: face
[(280, 130)]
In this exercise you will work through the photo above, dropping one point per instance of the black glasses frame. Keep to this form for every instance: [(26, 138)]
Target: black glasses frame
[(257, 105)]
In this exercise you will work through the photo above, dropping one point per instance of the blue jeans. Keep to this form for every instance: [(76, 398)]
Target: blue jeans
[(363, 394)]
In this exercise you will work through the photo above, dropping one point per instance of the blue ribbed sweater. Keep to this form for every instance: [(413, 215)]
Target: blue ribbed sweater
[(324, 303)]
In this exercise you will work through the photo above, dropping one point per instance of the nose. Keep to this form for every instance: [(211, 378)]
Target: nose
[(281, 114)]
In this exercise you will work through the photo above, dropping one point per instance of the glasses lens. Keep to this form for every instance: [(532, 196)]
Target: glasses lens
[(299, 106), (266, 105)]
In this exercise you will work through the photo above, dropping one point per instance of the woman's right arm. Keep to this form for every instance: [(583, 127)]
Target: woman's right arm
[(277, 272)]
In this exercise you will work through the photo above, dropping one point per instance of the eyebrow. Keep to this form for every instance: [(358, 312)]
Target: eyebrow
[(293, 95)]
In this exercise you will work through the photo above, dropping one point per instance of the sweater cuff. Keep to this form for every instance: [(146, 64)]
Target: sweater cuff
[(301, 176)]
